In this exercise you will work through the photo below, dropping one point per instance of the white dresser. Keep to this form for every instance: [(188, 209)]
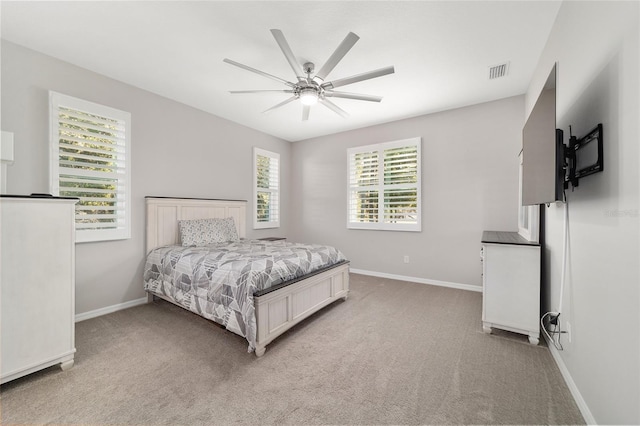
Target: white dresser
[(511, 284), (37, 284)]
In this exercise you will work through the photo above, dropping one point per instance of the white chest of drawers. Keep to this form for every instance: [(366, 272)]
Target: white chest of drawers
[(37, 284), (511, 284)]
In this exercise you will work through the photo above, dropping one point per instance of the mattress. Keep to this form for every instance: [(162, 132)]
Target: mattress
[(219, 281)]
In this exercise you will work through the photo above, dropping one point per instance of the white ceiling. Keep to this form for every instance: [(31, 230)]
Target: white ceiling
[(441, 51)]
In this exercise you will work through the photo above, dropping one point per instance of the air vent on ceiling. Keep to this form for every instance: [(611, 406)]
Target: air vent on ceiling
[(498, 71)]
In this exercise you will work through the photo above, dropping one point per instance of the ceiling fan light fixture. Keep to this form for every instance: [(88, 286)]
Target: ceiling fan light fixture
[(308, 96)]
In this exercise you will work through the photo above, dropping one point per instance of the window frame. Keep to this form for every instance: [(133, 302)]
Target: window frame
[(272, 223), (123, 209), (528, 216), (380, 186)]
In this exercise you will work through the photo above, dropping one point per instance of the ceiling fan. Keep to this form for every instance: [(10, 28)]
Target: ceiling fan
[(311, 90)]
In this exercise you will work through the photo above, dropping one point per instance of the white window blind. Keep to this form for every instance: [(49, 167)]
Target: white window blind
[(385, 186), (90, 160), (266, 183)]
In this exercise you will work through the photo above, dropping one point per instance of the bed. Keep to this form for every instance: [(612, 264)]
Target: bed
[(271, 306)]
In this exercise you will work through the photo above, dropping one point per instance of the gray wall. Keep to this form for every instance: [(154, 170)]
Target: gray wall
[(469, 176), (469, 184), (598, 83), (176, 151)]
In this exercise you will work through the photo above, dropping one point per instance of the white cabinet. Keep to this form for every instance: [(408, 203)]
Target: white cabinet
[(37, 284), (511, 284)]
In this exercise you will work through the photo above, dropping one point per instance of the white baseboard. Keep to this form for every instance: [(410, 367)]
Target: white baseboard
[(468, 287), (577, 396), (109, 309)]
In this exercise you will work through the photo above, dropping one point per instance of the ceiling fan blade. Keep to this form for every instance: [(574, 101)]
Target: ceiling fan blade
[(359, 77), (248, 68), (291, 99), (305, 112), (357, 96), (284, 46), (260, 91), (333, 107), (337, 56)]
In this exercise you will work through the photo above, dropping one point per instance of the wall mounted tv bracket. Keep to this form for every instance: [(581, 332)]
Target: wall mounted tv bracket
[(583, 156)]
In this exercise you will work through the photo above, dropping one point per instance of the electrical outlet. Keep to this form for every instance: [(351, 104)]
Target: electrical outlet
[(406, 258), (568, 331)]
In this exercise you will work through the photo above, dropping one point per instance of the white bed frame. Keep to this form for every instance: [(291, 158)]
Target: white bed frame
[(277, 311)]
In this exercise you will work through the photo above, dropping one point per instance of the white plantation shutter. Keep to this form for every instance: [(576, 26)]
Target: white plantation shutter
[(384, 186), (364, 187), (266, 184), (90, 160)]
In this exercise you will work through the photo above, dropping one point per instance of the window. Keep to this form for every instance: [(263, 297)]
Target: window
[(384, 186), (266, 187), (90, 160)]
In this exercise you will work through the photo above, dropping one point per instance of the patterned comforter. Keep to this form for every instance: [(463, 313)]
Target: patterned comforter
[(218, 281)]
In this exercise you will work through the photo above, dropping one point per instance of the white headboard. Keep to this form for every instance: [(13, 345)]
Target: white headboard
[(163, 215)]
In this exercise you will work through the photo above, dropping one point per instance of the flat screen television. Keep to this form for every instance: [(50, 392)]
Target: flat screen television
[(543, 165)]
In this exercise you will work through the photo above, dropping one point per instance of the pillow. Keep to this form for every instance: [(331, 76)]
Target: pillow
[(228, 229), (200, 232)]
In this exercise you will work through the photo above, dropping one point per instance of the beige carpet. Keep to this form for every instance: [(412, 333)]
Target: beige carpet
[(393, 353)]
